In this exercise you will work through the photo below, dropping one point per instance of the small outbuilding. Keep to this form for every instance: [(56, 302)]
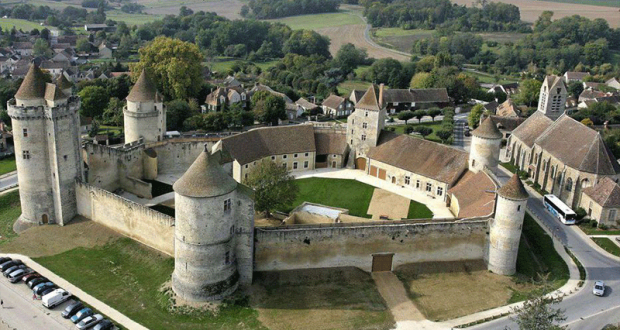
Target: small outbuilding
[(602, 202)]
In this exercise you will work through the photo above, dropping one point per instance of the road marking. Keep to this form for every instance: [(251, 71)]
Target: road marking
[(590, 316)]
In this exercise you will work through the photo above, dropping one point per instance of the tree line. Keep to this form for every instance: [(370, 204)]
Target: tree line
[(266, 9)]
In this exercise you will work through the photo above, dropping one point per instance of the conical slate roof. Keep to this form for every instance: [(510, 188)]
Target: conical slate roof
[(144, 90), (369, 101), (205, 178), (513, 189), (33, 86), (63, 82), (487, 130)]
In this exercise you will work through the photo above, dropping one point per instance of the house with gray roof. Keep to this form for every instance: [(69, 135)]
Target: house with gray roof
[(602, 202), (337, 106), (397, 100)]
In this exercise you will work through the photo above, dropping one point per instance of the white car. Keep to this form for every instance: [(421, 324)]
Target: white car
[(55, 298), (599, 288), (90, 321)]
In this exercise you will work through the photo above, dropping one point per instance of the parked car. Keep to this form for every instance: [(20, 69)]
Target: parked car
[(70, 310), (4, 259), (10, 270), (82, 314), (17, 275), (42, 287), (105, 324), (8, 264), (47, 290), (36, 281), (55, 298), (90, 321), (30, 276), (599, 288)]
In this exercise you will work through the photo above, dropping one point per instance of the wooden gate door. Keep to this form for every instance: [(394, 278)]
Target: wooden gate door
[(373, 171), (382, 174), (382, 262), (360, 163), (44, 219)]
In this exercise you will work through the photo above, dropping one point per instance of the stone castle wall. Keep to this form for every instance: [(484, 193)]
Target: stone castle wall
[(176, 155)]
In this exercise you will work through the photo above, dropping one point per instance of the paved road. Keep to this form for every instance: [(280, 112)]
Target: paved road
[(8, 182), (583, 309)]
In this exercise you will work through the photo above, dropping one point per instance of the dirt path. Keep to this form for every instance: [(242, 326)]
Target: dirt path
[(395, 296), (385, 203)]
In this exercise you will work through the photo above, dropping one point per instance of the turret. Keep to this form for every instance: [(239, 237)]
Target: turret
[(485, 145), (145, 114), (506, 227), (364, 125), (213, 228), (47, 147)]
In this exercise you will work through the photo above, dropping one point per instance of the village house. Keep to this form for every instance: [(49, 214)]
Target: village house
[(575, 76), (223, 97), (507, 109), (613, 83), (307, 106), (602, 202), (508, 89), (23, 48), (336, 106), (397, 100)]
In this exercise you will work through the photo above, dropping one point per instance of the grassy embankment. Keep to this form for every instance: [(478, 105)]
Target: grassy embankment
[(7, 165)]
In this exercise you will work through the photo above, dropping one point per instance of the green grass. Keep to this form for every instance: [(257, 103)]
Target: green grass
[(10, 209), (225, 65), (509, 166), (418, 211), (7, 165), (127, 276), (538, 256), (398, 32), (345, 87), (22, 24), (318, 21), (490, 79), (115, 130), (436, 126), (132, 19), (587, 228), (607, 245), (348, 194), (605, 3)]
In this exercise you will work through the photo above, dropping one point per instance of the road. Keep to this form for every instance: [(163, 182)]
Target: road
[(8, 181), (583, 310)]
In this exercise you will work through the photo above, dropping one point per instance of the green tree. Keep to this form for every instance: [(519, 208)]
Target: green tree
[(596, 52), (307, 42), (176, 113), (444, 134), (575, 88), (41, 48), (268, 108), (418, 114), (474, 115), (433, 112), (273, 187), (529, 91), (94, 101), (94, 128), (423, 130), (405, 115), (422, 80), (113, 113), (349, 58), (83, 45), (537, 312), (175, 66)]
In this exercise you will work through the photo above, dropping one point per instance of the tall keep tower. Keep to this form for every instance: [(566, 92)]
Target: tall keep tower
[(553, 94), (507, 226), (47, 147), (365, 123), (485, 146), (214, 228), (145, 114)]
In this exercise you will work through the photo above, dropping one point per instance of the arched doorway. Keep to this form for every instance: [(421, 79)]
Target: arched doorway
[(360, 163), (44, 219)]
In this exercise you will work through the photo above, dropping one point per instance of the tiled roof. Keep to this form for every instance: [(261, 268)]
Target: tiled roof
[(507, 109), (487, 130), (475, 193), (513, 189), (330, 143), (605, 193), (398, 96), (63, 82), (507, 123), (333, 101), (268, 141), (53, 93), (532, 128), (438, 95), (205, 178), (356, 95), (144, 90), (33, 86), (430, 159), (576, 75), (370, 100), (306, 104)]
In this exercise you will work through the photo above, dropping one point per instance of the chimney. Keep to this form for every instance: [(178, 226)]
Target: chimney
[(381, 96)]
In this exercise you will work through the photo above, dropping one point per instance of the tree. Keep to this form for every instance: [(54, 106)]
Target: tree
[(474, 115), (273, 187), (575, 88), (529, 91), (174, 65), (42, 48), (307, 42), (390, 72), (405, 115), (268, 108), (83, 45), (433, 112), (349, 58), (537, 313), (444, 134), (587, 122), (418, 114), (423, 130), (113, 113), (94, 128), (94, 101), (176, 113), (422, 80)]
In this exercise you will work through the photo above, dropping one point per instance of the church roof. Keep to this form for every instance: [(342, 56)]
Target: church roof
[(33, 86), (487, 130), (370, 99), (144, 90), (532, 128), (205, 178), (513, 189), (605, 193)]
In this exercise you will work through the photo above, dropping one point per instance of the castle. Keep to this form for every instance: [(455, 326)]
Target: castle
[(213, 238)]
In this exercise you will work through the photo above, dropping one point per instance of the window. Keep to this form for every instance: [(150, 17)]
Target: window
[(232, 230), (227, 205), (65, 157), (25, 132), (363, 137), (295, 155), (246, 176), (352, 131), (518, 208), (365, 125), (352, 121), (283, 156), (473, 163), (227, 257), (254, 163), (246, 165), (273, 157), (439, 191), (306, 154), (569, 184), (429, 187), (306, 164), (351, 141), (334, 156), (366, 114), (26, 154), (295, 165), (559, 90), (284, 165), (612, 215), (407, 180), (417, 184)]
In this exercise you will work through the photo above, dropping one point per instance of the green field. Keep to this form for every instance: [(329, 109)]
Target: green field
[(7, 165), (345, 87), (22, 24), (607, 245), (10, 210), (318, 21), (418, 211), (132, 19), (489, 78)]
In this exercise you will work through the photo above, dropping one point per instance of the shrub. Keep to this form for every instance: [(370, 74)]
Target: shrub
[(603, 227), (581, 213), (593, 223)]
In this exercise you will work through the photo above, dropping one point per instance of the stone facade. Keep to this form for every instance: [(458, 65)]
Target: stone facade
[(295, 162), (367, 121), (608, 216), (552, 99), (145, 113)]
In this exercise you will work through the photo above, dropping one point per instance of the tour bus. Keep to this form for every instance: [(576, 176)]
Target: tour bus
[(559, 209)]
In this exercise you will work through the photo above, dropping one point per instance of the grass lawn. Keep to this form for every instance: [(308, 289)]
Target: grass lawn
[(345, 87), (132, 19), (115, 130), (349, 194), (399, 39), (509, 166), (607, 245), (318, 21), (10, 209), (436, 125), (226, 64), (128, 275), (22, 24), (7, 165), (489, 78), (587, 228), (418, 211)]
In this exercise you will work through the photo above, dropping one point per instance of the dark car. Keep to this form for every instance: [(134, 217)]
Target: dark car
[(31, 276), (48, 290), (104, 325), (82, 314), (8, 271), (73, 308), (36, 281), (4, 259), (42, 287), (10, 264)]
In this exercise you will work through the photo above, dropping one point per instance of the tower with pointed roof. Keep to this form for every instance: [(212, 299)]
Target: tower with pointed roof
[(485, 145), (213, 235), (364, 125), (552, 99), (145, 114), (46, 127), (506, 227)]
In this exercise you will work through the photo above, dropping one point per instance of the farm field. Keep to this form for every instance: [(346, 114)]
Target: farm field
[(345, 87), (531, 9), (345, 16), (21, 24), (227, 8)]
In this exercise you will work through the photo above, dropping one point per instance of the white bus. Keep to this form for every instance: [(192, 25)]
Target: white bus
[(560, 210)]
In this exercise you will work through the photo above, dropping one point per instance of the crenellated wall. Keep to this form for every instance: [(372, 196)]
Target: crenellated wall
[(176, 155), (113, 168)]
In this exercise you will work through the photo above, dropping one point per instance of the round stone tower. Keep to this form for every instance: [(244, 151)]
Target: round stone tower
[(205, 266), (485, 144), (47, 148), (506, 227), (145, 114)]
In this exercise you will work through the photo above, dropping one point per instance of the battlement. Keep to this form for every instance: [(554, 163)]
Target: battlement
[(37, 112)]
